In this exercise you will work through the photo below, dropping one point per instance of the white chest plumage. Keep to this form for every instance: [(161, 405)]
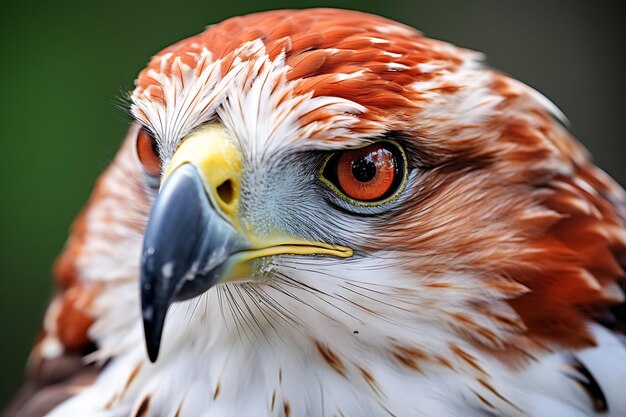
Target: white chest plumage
[(233, 355)]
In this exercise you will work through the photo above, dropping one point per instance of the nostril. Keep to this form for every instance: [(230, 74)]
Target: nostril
[(226, 192)]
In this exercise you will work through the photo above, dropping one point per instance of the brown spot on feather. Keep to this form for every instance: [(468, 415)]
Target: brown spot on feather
[(467, 358), (216, 392), (371, 381), (142, 410), (483, 400), (495, 392), (409, 356), (331, 358), (132, 377)]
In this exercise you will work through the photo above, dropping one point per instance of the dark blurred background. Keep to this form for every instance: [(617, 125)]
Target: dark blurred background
[(64, 64)]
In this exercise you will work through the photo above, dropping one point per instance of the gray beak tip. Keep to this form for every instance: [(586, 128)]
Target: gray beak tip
[(153, 328)]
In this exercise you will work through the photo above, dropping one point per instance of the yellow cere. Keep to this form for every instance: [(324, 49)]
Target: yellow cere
[(217, 159)]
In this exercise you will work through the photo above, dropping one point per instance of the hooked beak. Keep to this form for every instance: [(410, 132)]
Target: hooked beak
[(192, 241)]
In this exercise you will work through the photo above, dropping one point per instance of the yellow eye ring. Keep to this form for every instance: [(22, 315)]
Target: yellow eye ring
[(371, 175)]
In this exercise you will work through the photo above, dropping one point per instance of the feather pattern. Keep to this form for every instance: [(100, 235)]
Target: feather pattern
[(493, 286)]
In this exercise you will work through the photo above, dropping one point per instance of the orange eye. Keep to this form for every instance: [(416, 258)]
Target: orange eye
[(367, 174), (148, 153)]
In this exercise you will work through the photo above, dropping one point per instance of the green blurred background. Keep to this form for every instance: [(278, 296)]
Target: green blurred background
[(64, 65)]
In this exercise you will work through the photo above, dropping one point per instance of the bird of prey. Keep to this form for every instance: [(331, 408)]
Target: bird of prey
[(323, 213)]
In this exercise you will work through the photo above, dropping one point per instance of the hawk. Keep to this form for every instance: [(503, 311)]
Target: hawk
[(325, 213)]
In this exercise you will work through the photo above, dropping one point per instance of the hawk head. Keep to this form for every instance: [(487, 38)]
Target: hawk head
[(360, 172), (327, 203)]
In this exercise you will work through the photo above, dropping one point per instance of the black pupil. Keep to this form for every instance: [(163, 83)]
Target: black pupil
[(364, 169)]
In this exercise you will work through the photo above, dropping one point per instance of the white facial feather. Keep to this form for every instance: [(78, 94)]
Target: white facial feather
[(253, 99)]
